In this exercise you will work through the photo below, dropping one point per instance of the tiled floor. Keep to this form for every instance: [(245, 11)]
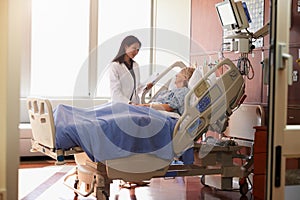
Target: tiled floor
[(45, 181)]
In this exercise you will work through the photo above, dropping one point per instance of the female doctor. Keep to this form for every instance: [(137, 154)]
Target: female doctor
[(125, 73)]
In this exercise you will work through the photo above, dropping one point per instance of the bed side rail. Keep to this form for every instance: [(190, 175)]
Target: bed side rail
[(159, 77), (208, 106)]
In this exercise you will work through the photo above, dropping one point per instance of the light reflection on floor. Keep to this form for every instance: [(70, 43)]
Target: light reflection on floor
[(179, 188)]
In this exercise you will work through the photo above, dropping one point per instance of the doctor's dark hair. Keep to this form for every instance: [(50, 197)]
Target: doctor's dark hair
[(127, 41)]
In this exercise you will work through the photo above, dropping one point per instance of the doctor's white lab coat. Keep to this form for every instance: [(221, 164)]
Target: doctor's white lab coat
[(122, 83)]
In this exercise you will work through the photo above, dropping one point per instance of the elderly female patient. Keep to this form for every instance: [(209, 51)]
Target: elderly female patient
[(173, 100)]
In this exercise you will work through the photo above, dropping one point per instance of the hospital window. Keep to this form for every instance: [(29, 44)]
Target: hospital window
[(116, 20), (73, 41), (59, 47), (63, 35)]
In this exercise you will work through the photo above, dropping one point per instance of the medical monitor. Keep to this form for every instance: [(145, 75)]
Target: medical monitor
[(234, 16)]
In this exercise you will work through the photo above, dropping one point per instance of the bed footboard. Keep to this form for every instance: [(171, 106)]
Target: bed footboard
[(41, 120), (43, 130)]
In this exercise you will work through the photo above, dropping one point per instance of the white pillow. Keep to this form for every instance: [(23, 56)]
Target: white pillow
[(196, 77)]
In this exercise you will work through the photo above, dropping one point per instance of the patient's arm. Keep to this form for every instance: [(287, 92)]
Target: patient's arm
[(165, 107)]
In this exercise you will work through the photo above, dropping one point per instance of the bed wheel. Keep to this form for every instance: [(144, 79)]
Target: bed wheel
[(202, 180), (243, 186)]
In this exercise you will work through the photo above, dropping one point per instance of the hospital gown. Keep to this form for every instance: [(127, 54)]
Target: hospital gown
[(174, 97)]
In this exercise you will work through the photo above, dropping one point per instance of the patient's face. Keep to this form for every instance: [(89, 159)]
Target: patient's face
[(180, 80)]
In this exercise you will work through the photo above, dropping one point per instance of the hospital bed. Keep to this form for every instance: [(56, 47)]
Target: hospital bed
[(208, 106)]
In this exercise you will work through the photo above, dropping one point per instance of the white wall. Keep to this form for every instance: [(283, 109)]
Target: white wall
[(173, 40)]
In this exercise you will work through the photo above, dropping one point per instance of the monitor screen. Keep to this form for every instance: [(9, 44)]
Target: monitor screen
[(234, 16), (226, 15)]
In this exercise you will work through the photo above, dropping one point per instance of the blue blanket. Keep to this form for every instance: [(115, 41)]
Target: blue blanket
[(114, 130)]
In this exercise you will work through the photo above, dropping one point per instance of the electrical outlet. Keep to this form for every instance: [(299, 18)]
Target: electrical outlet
[(295, 76)]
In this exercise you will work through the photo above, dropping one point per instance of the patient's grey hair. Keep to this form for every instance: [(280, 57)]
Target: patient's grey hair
[(187, 72)]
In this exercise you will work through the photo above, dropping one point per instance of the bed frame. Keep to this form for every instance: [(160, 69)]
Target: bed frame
[(217, 102)]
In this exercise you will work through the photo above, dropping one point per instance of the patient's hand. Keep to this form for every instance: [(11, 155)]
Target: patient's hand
[(143, 104), (155, 106)]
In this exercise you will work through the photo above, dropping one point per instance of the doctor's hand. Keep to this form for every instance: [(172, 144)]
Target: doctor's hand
[(130, 102), (149, 86)]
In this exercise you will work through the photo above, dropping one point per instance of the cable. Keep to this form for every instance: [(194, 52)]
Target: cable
[(245, 67)]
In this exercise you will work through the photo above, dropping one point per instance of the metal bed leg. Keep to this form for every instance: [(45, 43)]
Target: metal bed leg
[(103, 186)]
